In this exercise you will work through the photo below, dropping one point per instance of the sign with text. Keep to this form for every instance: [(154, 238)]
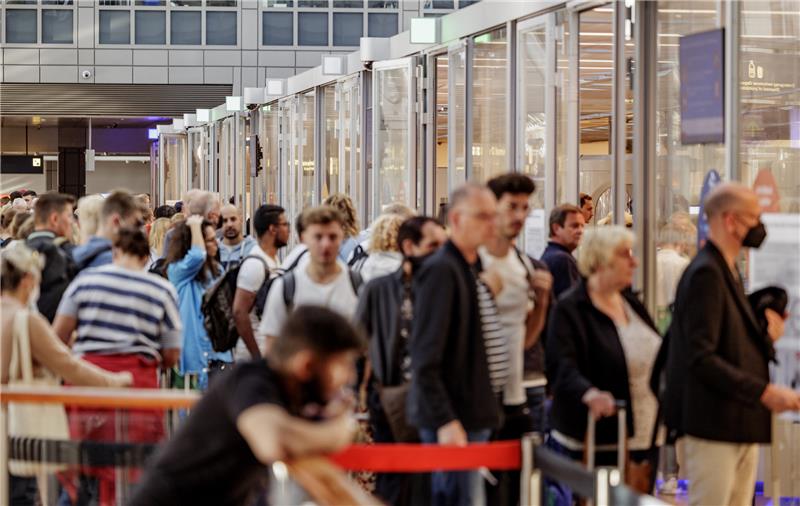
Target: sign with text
[(21, 164), (702, 75)]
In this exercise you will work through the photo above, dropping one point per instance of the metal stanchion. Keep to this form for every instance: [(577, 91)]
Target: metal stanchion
[(526, 445), (602, 496), (535, 485)]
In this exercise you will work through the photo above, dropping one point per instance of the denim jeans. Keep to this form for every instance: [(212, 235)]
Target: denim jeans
[(457, 488)]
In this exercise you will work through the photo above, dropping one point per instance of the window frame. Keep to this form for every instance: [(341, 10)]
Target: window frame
[(38, 7)]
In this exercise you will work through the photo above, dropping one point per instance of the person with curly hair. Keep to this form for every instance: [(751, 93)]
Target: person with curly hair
[(384, 257)]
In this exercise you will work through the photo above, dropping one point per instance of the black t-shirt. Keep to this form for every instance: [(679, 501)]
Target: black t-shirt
[(208, 461)]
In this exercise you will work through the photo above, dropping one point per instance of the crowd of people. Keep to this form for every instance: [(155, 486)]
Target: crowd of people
[(434, 325)]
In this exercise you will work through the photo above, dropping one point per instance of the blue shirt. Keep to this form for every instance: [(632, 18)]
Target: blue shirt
[(230, 254), (197, 350), (95, 253), (563, 267)]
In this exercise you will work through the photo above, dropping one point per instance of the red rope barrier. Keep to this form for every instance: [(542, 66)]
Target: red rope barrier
[(416, 458)]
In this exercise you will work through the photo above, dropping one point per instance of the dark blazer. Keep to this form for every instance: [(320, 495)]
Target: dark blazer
[(563, 267), (379, 313), (583, 351), (450, 375), (717, 357)]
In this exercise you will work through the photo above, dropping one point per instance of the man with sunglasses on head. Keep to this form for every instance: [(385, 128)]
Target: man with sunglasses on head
[(120, 210)]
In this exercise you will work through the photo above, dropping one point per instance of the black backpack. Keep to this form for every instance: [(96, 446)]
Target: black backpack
[(158, 267), (290, 284), (261, 294), (217, 307)]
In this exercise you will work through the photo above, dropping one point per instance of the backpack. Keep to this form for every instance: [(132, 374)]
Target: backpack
[(217, 307), (59, 270), (290, 284), (357, 258), (261, 295), (158, 267)]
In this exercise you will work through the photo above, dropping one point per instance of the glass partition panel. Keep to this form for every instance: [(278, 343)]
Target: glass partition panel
[(227, 158), (270, 146), (563, 57), (457, 118), (393, 130), (532, 118), (350, 114), (198, 144), (441, 134), (489, 105), (331, 169), (174, 166), (681, 168), (306, 138)]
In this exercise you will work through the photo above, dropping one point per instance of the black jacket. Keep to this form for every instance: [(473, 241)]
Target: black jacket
[(58, 271), (450, 375), (717, 357), (583, 351), (379, 313)]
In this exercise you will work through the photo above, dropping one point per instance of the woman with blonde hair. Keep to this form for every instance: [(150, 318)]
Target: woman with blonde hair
[(25, 335), (344, 205), (157, 233), (88, 212), (602, 344), (384, 252)]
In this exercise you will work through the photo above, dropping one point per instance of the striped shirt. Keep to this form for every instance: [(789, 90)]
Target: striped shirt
[(494, 338), (122, 311)]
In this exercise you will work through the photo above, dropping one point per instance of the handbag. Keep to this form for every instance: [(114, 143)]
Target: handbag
[(393, 402), (30, 420)]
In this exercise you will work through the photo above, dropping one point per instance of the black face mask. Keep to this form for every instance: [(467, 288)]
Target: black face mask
[(755, 236)]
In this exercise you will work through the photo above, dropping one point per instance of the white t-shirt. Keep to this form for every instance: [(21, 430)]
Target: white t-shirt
[(297, 251), (251, 276), (513, 305), (338, 295)]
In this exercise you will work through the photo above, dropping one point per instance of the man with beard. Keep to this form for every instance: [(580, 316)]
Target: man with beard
[(257, 415), (272, 230), (233, 246), (385, 309)]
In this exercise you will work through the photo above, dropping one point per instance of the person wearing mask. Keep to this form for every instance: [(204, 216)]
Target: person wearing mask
[(345, 206), (718, 391), (118, 210), (284, 407), (323, 281), (385, 311), (459, 352), (385, 256), (191, 266), (566, 229), (522, 301), (587, 207), (20, 269), (233, 246), (601, 347), (125, 320), (272, 230), (52, 226)]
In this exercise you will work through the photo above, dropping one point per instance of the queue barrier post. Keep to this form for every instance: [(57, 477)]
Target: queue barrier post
[(529, 493), (4, 481)]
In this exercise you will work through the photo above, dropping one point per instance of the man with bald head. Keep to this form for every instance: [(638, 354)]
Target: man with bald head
[(718, 395), (233, 246), (458, 348)]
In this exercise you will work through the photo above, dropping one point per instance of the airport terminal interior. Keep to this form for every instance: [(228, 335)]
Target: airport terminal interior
[(643, 106)]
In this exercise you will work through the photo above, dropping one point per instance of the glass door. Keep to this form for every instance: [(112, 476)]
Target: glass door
[(331, 131), (349, 103), (173, 166), (305, 127), (437, 138), (289, 158), (457, 110), (394, 132), (268, 180), (198, 147)]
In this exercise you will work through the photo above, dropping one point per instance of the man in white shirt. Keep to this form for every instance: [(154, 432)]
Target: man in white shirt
[(233, 245), (322, 281), (522, 295), (272, 230)]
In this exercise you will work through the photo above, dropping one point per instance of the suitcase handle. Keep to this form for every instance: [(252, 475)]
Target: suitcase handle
[(622, 438)]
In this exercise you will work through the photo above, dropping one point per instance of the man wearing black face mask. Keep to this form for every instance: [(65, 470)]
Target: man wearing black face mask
[(718, 395), (385, 310)]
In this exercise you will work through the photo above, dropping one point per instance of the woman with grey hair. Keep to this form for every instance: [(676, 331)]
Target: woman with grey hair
[(601, 346)]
